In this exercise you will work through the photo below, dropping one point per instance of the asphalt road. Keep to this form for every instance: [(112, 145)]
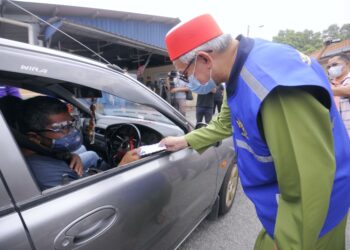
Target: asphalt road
[(237, 230)]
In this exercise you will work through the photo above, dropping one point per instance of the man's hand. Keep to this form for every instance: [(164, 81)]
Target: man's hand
[(173, 91), (76, 164), (130, 156), (173, 143)]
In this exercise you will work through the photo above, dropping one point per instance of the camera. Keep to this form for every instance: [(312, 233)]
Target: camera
[(172, 74)]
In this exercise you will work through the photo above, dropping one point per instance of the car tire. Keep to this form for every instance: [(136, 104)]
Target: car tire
[(228, 189)]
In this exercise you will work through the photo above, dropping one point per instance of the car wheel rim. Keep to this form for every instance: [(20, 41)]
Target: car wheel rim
[(231, 187)]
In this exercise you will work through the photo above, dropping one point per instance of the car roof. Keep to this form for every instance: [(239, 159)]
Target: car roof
[(52, 64), (62, 54)]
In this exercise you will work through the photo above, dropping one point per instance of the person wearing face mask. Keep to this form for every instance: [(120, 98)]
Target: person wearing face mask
[(197, 87), (194, 84), (46, 121), (339, 72), (293, 153)]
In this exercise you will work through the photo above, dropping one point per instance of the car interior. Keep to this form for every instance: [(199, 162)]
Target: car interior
[(110, 140)]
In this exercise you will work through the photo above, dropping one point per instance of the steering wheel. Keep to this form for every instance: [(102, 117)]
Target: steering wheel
[(121, 138)]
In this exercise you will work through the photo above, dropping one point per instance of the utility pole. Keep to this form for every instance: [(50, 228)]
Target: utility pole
[(248, 28)]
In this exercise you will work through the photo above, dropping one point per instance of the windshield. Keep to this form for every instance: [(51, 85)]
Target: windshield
[(111, 105)]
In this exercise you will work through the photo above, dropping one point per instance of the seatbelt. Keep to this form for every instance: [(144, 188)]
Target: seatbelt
[(24, 142)]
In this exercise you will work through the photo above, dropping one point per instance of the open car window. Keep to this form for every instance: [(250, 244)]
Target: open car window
[(119, 127)]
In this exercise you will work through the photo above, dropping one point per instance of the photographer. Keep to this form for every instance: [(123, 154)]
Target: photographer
[(177, 89)]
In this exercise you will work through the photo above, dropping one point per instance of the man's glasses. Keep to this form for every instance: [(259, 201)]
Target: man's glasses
[(184, 74), (62, 127), (332, 65)]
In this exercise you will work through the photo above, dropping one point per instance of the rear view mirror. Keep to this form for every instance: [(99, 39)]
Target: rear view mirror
[(87, 93), (82, 92)]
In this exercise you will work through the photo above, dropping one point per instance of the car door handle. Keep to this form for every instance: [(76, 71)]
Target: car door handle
[(86, 228)]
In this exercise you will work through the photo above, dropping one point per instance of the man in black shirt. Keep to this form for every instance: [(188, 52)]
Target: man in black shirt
[(205, 106), (218, 97)]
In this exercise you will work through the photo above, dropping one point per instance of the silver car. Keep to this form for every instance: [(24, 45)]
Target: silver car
[(152, 203)]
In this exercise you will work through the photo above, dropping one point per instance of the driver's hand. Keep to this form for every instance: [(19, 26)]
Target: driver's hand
[(174, 143), (76, 164), (130, 156)]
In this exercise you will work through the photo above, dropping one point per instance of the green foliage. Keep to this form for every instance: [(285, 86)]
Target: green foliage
[(345, 31), (309, 41), (306, 41)]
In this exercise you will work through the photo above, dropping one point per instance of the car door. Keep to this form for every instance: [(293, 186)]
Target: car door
[(150, 204), (13, 233)]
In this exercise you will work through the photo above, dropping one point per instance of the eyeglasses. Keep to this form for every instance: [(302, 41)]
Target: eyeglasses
[(332, 65), (184, 74), (62, 127)]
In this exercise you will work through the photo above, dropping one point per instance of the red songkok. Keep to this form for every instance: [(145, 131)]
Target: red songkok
[(187, 36)]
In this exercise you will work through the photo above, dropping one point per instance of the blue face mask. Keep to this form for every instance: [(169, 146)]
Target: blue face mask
[(197, 87), (201, 89), (70, 142)]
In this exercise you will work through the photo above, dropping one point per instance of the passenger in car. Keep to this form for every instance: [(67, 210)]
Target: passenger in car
[(47, 122)]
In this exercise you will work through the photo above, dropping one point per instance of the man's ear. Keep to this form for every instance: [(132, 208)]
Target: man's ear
[(206, 58)]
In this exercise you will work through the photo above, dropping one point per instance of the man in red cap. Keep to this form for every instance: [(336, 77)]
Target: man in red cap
[(293, 153)]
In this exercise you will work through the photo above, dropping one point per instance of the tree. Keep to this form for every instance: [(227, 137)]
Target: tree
[(345, 31), (306, 41), (309, 41), (333, 32)]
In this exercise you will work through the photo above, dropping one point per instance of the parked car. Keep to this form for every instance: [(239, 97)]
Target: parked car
[(152, 203)]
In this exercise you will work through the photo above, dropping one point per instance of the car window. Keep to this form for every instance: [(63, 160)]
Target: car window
[(112, 105), (118, 126), (101, 154)]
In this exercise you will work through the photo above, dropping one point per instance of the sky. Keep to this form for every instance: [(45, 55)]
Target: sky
[(263, 17)]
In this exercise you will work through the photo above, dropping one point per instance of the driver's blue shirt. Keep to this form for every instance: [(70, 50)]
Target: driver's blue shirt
[(50, 172)]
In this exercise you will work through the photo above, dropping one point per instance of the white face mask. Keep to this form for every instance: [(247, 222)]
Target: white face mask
[(335, 71)]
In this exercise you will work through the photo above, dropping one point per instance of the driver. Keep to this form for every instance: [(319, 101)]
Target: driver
[(47, 122)]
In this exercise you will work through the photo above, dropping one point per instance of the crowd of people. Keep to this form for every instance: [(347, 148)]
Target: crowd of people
[(174, 90)]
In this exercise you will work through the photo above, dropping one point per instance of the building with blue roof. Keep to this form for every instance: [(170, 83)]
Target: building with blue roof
[(129, 40)]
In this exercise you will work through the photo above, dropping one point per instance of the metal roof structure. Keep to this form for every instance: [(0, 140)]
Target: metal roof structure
[(123, 38), (333, 49)]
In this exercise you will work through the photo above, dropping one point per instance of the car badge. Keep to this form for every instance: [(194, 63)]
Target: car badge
[(243, 130)]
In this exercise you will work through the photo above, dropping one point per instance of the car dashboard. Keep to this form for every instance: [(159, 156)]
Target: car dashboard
[(113, 141)]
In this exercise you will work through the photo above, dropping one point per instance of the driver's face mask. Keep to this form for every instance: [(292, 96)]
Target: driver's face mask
[(71, 142), (196, 86)]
